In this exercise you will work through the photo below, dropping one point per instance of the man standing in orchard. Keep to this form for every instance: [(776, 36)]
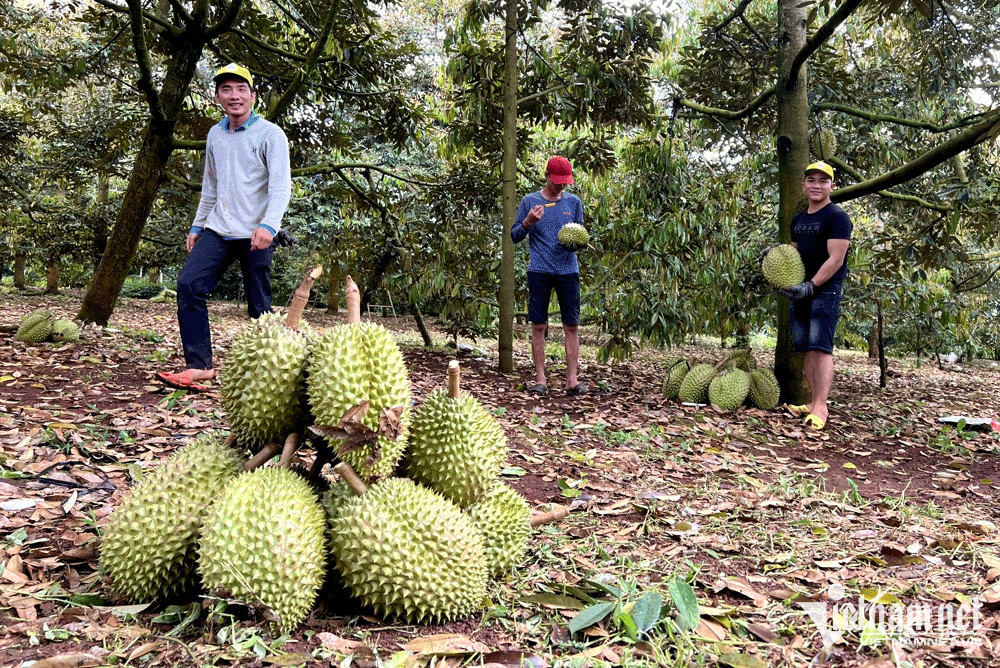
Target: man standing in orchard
[(552, 267), (245, 190), (822, 235)]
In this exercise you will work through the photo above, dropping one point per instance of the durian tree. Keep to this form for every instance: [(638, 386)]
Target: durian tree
[(901, 118)]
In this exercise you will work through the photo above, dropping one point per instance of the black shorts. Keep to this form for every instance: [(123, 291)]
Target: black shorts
[(567, 287), (814, 321)]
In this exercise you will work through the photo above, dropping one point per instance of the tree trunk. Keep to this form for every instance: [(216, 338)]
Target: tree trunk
[(99, 227), (52, 277), (883, 366), (144, 182), (505, 338), (793, 156), (419, 319), (20, 257), (873, 338)]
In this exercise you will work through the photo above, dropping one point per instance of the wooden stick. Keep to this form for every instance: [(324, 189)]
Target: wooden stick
[(356, 484), (262, 457), (557, 513), (353, 302), (301, 298), (454, 379), (291, 445)]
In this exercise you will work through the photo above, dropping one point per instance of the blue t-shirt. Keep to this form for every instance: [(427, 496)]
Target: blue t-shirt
[(811, 231), (547, 255)]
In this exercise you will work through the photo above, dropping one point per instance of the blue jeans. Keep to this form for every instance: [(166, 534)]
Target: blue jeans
[(202, 271), (814, 320)]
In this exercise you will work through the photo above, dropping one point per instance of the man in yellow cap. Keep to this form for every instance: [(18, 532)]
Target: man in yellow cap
[(244, 193), (822, 235)]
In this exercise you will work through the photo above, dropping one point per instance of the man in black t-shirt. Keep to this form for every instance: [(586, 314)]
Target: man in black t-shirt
[(822, 234)]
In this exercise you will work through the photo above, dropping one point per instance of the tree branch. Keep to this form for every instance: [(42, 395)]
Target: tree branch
[(754, 105), (226, 22), (281, 105), (189, 144), (541, 93), (823, 33), (987, 129), (884, 118), (858, 177), (145, 82), (326, 168), (149, 16), (736, 13)]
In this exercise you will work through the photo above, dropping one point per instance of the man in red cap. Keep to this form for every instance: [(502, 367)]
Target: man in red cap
[(245, 190), (552, 267), (822, 235)]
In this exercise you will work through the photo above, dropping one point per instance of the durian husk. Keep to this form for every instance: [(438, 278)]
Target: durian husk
[(677, 368), (729, 389), (409, 553), (264, 542), (765, 392), (694, 386), (504, 518), (782, 267), (149, 544)]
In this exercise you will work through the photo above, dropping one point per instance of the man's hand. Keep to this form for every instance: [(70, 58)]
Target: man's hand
[(261, 239), (800, 291), (533, 216), (192, 239)]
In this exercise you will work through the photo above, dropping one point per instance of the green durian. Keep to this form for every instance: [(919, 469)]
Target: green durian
[(65, 330), (149, 545), (456, 447), (741, 359), (728, 389), (36, 326), (504, 519), (264, 542), (764, 389), (263, 381), (677, 368), (782, 267), (823, 144), (694, 386), (352, 364), (409, 553), (573, 236)]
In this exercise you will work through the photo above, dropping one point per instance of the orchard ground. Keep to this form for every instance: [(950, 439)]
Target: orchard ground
[(758, 515)]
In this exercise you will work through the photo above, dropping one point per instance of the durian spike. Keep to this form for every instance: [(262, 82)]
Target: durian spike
[(353, 302), (301, 298), (291, 445), (262, 457), (557, 513), (454, 379), (356, 484)]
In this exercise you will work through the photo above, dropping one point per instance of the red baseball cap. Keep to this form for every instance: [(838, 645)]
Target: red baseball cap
[(560, 170)]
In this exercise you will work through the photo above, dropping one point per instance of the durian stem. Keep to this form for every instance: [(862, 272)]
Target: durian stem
[(291, 445), (262, 457), (454, 379), (356, 484), (554, 515), (301, 298), (230, 439), (353, 302)]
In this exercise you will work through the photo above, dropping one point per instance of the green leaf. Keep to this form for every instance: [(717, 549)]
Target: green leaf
[(646, 611), (684, 599), (590, 616), (88, 599), (628, 624)]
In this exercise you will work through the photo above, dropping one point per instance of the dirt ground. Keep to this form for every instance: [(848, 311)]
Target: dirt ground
[(757, 514)]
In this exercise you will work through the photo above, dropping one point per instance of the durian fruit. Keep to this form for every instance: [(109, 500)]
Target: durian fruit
[(354, 363), (264, 542), (456, 447), (504, 519), (36, 326), (782, 267), (573, 236), (149, 545), (409, 553), (694, 386), (729, 389), (823, 144), (263, 381), (335, 498), (764, 389), (65, 330), (741, 359), (677, 368)]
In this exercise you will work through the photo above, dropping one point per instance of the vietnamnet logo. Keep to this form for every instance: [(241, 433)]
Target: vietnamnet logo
[(880, 618)]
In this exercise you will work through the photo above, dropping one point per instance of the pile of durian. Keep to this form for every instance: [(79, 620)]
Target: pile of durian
[(413, 528), (43, 325), (728, 384)]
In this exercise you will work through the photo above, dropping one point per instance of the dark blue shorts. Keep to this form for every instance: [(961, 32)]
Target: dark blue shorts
[(567, 287), (814, 320)]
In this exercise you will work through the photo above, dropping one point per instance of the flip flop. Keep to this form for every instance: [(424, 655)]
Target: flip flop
[(577, 390), (814, 421), (180, 381), (800, 409), (538, 389)]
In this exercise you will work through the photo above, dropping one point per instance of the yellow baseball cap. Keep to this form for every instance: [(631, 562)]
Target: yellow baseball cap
[(820, 167), (233, 70)]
